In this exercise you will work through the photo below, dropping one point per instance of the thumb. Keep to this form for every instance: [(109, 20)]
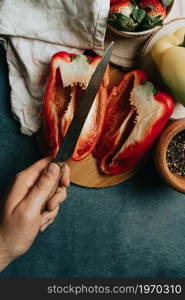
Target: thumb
[(41, 190)]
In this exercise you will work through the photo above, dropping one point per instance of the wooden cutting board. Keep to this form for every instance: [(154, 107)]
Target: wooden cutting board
[(85, 173)]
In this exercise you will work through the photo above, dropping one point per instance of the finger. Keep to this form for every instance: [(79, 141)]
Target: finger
[(23, 181), (33, 172), (39, 193), (44, 227), (48, 215), (59, 197), (65, 180), (37, 168), (46, 223)]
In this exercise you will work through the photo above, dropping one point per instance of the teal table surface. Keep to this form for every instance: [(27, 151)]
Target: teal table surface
[(134, 229)]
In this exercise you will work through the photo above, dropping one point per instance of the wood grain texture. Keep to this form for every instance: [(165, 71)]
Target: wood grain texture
[(85, 173)]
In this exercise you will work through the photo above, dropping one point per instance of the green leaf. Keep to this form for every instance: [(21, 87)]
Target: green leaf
[(166, 3), (138, 14), (150, 22), (150, 6), (122, 22)]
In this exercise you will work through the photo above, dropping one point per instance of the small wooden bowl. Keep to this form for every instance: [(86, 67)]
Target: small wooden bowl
[(176, 181)]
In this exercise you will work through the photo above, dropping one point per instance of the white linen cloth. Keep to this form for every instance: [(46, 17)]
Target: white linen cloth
[(32, 31)]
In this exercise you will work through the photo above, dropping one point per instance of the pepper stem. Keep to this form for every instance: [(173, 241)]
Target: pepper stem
[(183, 43)]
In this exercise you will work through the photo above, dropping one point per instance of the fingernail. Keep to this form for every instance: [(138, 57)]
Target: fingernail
[(53, 169)]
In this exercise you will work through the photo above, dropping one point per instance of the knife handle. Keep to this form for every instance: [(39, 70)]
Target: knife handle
[(62, 166)]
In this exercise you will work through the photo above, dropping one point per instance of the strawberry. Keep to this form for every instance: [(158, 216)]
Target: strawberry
[(124, 7), (120, 15), (113, 1), (137, 15), (154, 8)]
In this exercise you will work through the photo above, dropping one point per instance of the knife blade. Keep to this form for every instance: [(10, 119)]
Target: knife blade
[(70, 139)]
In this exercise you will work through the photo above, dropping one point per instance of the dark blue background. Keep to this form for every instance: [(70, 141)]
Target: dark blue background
[(134, 229)]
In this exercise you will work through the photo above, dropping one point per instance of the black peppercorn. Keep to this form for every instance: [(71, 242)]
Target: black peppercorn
[(175, 155)]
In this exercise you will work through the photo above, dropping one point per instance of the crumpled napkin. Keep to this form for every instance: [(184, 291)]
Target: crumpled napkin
[(32, 31)]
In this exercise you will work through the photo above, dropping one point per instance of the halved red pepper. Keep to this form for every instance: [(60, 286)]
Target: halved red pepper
[(69, 77), (135, 115)]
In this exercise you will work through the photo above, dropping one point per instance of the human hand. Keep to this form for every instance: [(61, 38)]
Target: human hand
[(22, 216)]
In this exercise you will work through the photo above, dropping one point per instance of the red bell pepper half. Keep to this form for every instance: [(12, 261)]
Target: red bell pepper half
[(135, 115), (69, 77)]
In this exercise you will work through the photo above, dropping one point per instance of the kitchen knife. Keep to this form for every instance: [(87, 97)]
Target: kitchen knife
[(70, 139)]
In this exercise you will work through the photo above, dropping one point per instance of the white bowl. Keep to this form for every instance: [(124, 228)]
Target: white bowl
[(173, 12)]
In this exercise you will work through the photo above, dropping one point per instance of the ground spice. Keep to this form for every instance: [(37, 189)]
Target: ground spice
[(176, 154)]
